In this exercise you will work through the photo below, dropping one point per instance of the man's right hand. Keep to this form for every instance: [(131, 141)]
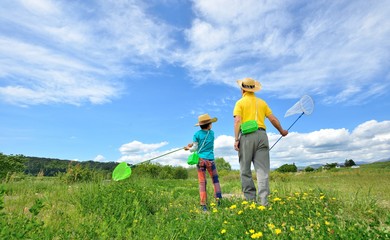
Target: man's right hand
[(284, 133)]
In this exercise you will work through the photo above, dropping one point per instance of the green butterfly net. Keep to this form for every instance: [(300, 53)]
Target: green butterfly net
[(121, 172)]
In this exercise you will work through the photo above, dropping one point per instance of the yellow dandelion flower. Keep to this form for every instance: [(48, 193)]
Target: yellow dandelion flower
[(252, 206), (261, 208), (271, 226), (233, 206), (215, 210), (278, 231), (225, 222), (223, 231), (212, 204), (270, 208), (257, 235), (240, 212), (244, 202), (333, 198), (327, 223), (291, 212), (292, 229), (252, 231), (277, 199), (322, 197)]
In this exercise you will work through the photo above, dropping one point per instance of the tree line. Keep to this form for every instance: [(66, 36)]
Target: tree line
[(73, 171), (87, 170)]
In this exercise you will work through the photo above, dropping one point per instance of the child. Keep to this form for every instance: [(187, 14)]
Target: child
[(203, 142)]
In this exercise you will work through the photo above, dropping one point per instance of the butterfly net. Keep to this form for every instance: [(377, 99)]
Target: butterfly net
[(122, 171), (304, 105)]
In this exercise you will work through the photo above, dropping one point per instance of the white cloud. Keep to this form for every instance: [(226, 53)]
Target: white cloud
[(338, 49), (99, 158), (39, 7), (62, 52), (173, 157), (368, 142), (365, 143), (135, 147)]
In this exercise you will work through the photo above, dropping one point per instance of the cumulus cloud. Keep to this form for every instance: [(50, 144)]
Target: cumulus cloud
[(135, 147), (99, 158), (368, 142), (136, 152)]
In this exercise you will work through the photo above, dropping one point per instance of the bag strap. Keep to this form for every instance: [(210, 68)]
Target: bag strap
[(256, 108), (204, 141)]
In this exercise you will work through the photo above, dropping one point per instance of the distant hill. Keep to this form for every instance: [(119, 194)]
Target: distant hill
[(53, 166), (384, 160)]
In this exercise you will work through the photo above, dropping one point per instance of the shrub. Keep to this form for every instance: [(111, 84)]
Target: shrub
[(330, 166), (287, 168), (158, 171), (309, 169), (221, 164), (180, 173), (78, 173)]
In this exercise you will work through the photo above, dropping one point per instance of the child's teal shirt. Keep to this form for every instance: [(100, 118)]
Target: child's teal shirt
[(207, 151)]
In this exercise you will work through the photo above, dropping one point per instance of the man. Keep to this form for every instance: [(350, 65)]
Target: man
[(254, 146)]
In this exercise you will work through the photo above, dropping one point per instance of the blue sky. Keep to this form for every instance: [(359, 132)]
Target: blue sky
[(126, 80)]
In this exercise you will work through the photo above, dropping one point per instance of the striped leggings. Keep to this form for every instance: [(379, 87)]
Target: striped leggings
[(202, 166)]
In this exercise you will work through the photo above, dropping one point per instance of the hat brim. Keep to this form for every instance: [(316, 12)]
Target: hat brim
[(255, 89), (211, 120)]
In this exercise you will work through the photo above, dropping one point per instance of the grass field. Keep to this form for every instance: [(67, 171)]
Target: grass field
[(336, 204)]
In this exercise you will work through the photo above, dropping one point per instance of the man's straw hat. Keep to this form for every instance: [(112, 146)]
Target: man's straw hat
[(249, 85), (205, 119)]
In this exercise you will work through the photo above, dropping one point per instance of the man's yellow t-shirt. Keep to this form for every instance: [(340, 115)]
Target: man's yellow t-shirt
[(246, 109)]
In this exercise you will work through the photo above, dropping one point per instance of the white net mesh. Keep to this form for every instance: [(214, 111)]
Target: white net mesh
[(304, 105)]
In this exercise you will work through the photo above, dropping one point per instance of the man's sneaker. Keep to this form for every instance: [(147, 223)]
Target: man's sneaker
[(204, 208)]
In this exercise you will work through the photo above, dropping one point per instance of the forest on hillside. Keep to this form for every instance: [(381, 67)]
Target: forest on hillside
[(51, 167)]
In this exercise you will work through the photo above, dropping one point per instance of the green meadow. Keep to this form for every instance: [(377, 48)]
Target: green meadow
[(335, 204)]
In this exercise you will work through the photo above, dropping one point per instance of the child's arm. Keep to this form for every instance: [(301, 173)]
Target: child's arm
[(192, 147)]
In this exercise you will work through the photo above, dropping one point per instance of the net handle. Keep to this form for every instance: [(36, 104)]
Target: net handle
[(133, 165), (287, 130)]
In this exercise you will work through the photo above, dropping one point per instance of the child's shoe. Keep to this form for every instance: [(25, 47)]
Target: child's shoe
[(204, 208)]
